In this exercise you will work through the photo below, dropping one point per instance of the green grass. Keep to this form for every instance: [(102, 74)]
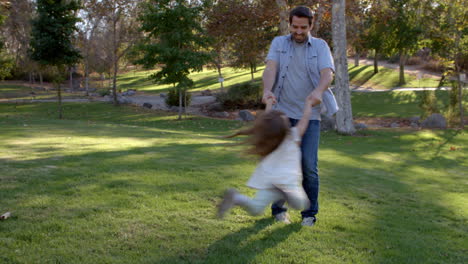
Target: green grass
[(206, 79), (126, 185), (15, 91), (386, 78), (395, 103)]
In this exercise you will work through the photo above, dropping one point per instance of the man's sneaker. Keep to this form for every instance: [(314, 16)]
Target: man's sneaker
[(308, 221), (227, 203), (283, 218)]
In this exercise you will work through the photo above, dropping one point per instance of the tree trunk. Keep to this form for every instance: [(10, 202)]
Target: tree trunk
[(357, 55), (180, 103), (220, 76), (71, 78), (376, 62), (185, 104), (284, 17), (114, 54), (344, 117), (30, 80), (57, 82), (41, 80), (460, 95), (87, 79), (59, 96), (252, 70), (318, 19), (402, 68)]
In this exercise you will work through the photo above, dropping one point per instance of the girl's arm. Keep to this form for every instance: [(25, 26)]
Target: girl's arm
[(269, 104), (304, 121)]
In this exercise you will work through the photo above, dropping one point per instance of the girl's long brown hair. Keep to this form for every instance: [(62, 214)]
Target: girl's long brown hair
[(267, 133)]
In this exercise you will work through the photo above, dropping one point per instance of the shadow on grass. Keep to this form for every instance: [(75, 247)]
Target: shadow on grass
[(354, 71), (409, 224), (107, 116), (236, 247)]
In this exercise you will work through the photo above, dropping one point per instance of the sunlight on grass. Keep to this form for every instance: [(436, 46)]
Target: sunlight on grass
[(386, 78), (126, 185), (395, 103), (206, 79)]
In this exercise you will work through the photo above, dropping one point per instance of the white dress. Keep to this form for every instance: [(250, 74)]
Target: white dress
[(280, 168)]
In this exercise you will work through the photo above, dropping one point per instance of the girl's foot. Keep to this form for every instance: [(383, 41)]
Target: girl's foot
[(227, 203)]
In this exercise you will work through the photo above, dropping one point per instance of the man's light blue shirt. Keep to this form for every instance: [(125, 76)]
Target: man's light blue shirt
[(317, 58)]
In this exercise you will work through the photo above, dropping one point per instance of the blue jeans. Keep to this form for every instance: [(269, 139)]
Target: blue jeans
[(310, 182)]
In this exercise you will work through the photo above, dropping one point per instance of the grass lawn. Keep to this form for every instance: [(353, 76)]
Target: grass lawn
[(386, 78), (126, 185), (396, 103), (208, 79), (16, 91)]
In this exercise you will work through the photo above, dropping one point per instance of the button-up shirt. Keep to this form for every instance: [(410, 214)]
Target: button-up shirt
[(317, 58)]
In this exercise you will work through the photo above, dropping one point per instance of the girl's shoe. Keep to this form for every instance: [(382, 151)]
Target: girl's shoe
[(227, 203)]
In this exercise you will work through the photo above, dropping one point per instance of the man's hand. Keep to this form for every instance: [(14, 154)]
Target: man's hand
[(315, 97), (268, 95)]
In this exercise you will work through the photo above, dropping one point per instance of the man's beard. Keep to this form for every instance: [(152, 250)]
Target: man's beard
[(299, 38)]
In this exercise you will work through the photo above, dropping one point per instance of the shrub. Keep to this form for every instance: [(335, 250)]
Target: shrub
[(433, 65), (415, 60), (172, 98), (428, 103), (453, 110), (104, 92), (243, 95)]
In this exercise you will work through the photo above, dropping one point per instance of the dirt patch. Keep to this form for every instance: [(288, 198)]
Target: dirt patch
[(383, 121)]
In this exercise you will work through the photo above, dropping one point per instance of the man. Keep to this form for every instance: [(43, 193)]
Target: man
[(299, 66)]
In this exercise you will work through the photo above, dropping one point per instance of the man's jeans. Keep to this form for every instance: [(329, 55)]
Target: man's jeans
[(310, 182)]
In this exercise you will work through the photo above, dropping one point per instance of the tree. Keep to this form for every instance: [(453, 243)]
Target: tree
[(220, 31), (355, 26), (255, 26), (90, 22), (120, 17), (448, 37), (404, 30), (52, 33), (284, 16), (374, 33), (322, 8), (344, 117), (16, 32), (5, 62), (175, 40)]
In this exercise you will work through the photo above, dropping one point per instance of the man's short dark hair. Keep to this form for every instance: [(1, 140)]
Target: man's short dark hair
[(301, 11)]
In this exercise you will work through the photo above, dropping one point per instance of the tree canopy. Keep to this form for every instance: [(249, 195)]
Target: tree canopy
[(175, 40), (52, 33)]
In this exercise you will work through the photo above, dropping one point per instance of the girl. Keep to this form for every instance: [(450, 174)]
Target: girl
[(278, 175)]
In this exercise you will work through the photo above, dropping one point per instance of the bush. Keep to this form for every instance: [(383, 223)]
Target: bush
[(453, 110), (394, 58), (428, 103), (172, 98), (415, 60), (433, 65), (104, 92), (244, 95)]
